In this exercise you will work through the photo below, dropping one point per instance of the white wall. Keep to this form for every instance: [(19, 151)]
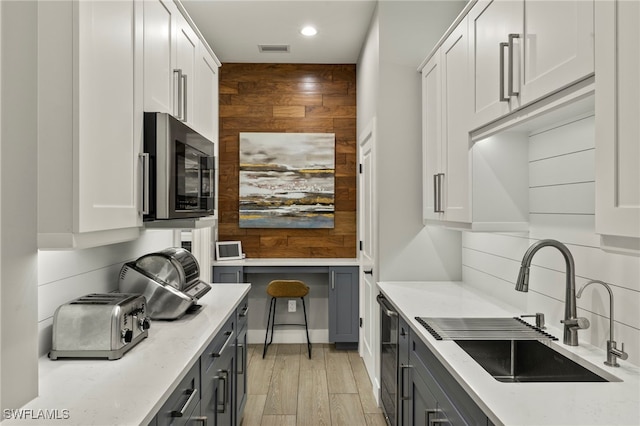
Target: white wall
[(18, 297), (562, 207), (66, 275), (408, 31)]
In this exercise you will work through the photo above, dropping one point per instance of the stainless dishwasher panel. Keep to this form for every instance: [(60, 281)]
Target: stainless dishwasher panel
[(388, 360)]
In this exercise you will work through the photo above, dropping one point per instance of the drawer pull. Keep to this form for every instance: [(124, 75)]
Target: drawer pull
[(182, 411)]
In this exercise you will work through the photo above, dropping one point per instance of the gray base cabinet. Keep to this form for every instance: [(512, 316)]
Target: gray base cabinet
[(241, 359), (228, 274), (218, 377), (343, 304), (214, 392), (428, 393)]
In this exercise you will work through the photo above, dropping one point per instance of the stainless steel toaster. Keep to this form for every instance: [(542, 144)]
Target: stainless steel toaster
[(99, 326)]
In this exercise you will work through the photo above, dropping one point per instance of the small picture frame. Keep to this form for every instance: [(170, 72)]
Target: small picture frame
[(229, 250)]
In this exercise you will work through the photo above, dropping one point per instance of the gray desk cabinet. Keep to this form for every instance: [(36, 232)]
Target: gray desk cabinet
[(228, 274), (343, 305)]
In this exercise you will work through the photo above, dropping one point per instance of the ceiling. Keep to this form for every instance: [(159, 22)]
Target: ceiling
[(235, 28)]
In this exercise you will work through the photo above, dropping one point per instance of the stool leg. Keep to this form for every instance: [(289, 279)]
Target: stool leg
[(271, 308), (273, 317), (306, 327)]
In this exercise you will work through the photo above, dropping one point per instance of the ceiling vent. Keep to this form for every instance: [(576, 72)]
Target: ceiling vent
[(275, 48)]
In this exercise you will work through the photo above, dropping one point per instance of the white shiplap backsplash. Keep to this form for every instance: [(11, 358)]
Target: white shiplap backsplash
[(66, 275), (561, 207)]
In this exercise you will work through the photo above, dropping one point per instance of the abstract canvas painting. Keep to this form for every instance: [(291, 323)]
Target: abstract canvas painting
[(287, 180)]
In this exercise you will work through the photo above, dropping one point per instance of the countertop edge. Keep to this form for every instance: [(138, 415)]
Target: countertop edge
[(495, 399), (166, 356)]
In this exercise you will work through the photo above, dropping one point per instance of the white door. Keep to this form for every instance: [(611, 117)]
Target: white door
[(109, 112), (159, 36), (617, 124), (490, 23), (455, 126), (431, 136), (186, 53), (367, 224), (558, 43), (206, 95)]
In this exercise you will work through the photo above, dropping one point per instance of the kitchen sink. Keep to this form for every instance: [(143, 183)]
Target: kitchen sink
[(515, 361)]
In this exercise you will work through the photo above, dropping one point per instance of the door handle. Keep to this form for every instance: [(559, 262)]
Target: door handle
[(511, 91), (177, 92), (404, 367), (145, 183), (184, 97), (503, 98), (221, 407)]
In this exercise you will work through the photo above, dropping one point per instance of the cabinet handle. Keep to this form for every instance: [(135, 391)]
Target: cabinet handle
[(177, 91), (244, 311), (226, 343), (222, 406), (404, 367), (145, 182), (238, 277), (438, 204), (502, 97), (184, 97), (241, 362), (435, 193), (368, 272), (511, 91), (186, 404), (202, 419), (333, 280), (430, 422)]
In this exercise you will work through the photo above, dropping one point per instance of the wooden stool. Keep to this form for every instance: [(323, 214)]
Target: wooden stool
[(285, 289)]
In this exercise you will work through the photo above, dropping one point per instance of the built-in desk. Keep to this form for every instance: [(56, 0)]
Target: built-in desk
[(342, 278)]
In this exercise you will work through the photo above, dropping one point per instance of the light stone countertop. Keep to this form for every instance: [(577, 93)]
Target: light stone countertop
[(288, 262), (532, 404), (130, 390)]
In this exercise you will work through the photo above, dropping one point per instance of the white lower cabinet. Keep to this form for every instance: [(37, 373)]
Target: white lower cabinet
[(89, 122), (617, 124)]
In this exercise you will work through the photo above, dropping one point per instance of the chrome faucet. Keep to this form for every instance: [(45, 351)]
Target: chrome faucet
[(613, 353), (571, 321)]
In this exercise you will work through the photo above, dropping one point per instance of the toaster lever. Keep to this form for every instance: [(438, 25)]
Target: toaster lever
[(127, 335)]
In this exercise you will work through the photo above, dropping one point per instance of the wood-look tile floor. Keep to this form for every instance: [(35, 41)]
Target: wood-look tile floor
[(288, 388)]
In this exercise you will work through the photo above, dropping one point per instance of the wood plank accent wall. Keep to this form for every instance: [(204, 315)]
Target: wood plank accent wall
[(305, 98)]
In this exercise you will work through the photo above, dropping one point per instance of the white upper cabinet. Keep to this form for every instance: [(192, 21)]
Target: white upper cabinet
[(181, 73), (184, 70), (456, 153), (431, 138), (557, 46), (445, 141), (90, 122), (206, 97), (490, 23), (159, 55), (617, 119), (524, 50)]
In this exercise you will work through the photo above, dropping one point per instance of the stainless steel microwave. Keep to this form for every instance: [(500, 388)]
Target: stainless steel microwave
[(179, 170)]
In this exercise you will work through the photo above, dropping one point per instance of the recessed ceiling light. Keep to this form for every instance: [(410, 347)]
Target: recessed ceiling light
[(309, 31)]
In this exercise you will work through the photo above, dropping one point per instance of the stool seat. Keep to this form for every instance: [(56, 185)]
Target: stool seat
[(285, 289)]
